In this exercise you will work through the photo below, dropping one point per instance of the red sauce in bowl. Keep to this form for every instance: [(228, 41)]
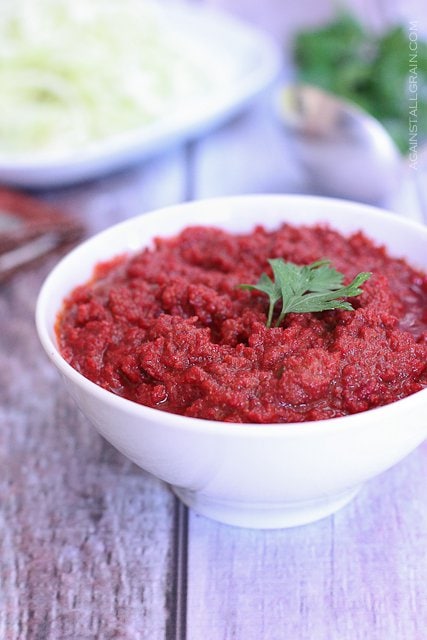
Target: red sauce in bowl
[(169, 328)]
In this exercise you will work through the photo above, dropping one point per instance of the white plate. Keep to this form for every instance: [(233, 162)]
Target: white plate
[(256, 61)]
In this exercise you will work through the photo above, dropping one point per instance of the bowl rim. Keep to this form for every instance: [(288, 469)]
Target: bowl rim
[(291, 429)]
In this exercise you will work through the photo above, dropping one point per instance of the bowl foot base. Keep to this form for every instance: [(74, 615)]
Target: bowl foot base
[(255, 515)]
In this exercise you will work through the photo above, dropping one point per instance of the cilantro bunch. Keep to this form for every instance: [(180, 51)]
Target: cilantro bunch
[(372, 70)]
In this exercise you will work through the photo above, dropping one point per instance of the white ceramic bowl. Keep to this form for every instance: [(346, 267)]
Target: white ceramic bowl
[(262, 476)]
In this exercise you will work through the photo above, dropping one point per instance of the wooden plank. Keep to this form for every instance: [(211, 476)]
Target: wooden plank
[(359, 574), (86, 538)]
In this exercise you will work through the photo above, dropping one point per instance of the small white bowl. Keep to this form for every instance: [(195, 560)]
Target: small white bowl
[(261, 476)]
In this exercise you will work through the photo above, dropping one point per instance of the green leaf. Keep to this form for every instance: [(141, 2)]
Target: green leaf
[(323, 277), (306, 289), (272, 289)]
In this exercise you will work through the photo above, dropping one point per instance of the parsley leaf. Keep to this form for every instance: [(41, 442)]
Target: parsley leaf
[(306, 289)]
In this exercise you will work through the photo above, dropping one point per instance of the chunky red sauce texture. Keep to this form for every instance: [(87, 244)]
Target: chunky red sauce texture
[(169, 328)]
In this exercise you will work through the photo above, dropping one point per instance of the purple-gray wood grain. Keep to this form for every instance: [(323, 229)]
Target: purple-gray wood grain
[(86, 538), (361, 574)]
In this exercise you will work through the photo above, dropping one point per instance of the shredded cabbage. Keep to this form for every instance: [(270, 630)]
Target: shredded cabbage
[(77, 71)]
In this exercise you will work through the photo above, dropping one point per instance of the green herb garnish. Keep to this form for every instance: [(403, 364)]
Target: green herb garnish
[(305, 289)]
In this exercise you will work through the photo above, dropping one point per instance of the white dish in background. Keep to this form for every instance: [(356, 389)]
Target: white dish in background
[(254, 63)]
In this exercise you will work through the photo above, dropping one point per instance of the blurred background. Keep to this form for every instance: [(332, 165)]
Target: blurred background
[(78, 73), (109, 109)]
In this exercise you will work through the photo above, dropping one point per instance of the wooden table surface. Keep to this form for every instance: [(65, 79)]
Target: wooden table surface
[(92, 547)]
